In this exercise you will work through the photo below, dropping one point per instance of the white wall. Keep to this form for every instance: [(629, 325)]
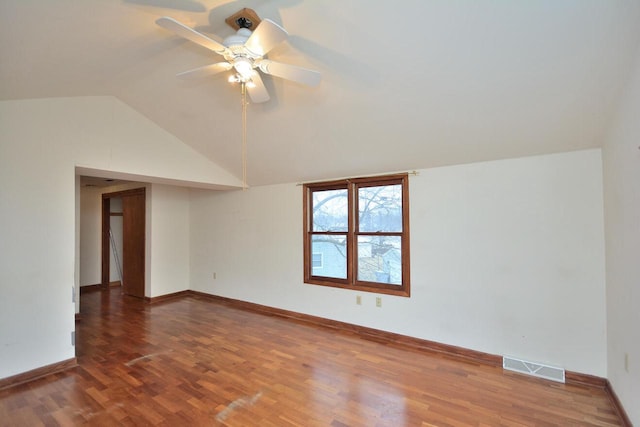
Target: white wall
[(37, 243), (621, 160), (169, 237), (41, 143), (90, 235), (507, 257)]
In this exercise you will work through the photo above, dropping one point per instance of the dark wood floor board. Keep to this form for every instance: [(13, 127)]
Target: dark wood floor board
[(192, 361)]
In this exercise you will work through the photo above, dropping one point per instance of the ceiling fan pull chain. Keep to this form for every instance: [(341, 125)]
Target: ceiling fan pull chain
[(243, 87)]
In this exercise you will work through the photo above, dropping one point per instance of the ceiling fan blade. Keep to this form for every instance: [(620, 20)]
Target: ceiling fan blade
[(265, 37), (290, 72), (190, 34), (207, 70), (256, 89)]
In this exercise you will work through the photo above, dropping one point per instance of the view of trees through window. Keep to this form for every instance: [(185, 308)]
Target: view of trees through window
[(379, 253), (331, 216), (357, 227)]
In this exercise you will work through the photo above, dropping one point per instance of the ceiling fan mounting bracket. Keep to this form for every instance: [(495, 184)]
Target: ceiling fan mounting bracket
[(244, 18)]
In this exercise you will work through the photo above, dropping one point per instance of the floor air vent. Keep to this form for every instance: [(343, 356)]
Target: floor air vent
[(535, 369)]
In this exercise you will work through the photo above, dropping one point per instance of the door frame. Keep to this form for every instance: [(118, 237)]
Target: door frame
[(106, 225)]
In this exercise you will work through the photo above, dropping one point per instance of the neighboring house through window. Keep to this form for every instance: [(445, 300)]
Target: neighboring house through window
[(316, 261), (357, 234)]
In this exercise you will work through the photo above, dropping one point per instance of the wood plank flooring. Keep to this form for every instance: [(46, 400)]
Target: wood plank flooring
[(191, 361)]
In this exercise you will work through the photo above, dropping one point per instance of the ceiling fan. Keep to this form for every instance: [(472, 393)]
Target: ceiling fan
[(244, 52)]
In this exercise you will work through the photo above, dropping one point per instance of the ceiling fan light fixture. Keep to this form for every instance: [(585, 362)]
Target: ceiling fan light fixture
[(244, 67)]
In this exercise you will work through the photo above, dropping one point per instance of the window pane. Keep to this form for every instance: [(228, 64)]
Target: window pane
[(316, 260), (332, 250), (380, 208), (330, 210), (380, 259)]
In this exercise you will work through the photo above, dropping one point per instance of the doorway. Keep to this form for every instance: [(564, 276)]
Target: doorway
[(132, 263)]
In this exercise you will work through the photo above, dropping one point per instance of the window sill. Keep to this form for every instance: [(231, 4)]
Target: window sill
[(373, 288)]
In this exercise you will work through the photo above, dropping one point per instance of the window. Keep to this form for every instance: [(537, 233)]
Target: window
[(357, 234)]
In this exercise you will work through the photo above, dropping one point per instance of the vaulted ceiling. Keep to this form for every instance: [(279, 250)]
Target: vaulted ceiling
[(405, 85)]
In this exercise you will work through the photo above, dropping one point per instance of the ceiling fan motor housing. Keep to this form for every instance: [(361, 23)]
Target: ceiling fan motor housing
[(237, 39)]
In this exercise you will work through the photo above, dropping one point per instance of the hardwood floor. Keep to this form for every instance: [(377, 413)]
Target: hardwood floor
[(191, 361)]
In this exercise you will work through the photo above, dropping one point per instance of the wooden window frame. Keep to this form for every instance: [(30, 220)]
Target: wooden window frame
[(351, 282)]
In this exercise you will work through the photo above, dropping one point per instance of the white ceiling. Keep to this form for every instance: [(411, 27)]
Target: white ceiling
[(406, 84)]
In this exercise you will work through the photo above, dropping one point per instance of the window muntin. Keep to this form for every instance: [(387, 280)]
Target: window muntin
[(361, 228)]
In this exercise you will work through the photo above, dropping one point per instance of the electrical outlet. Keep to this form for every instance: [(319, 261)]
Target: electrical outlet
[(358, 299), (378, 302), (214, 276)]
